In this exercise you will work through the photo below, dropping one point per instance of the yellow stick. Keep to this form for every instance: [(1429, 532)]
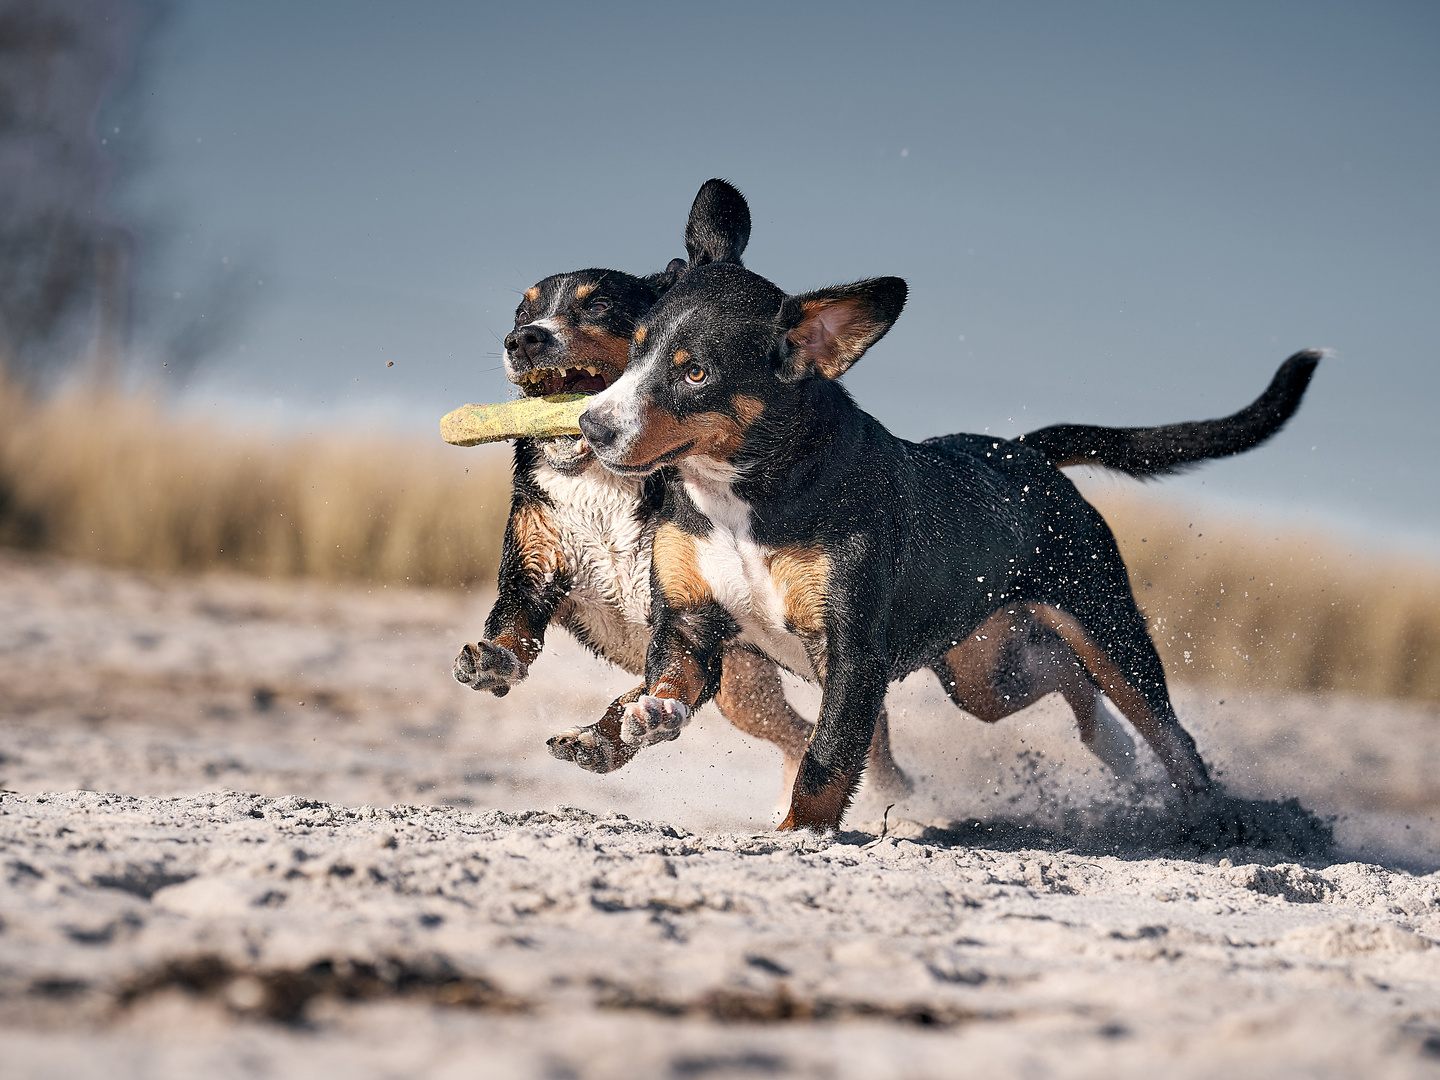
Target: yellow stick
[(540, 417)]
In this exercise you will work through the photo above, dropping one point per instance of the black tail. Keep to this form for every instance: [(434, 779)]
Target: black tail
[(1164, 451)]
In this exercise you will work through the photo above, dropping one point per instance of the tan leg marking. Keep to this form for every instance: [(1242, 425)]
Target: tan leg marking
[(677, 565), (1112, 681), (538, 540), (821, 811), (976, 667)]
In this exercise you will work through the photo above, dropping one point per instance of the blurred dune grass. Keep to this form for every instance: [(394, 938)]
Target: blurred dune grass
[(99, 476), (1251, 605), (113, 479)]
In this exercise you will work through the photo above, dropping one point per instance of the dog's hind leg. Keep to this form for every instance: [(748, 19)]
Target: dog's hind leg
[(881, 770), (1011, 661), (1112, 643), (752, 698)]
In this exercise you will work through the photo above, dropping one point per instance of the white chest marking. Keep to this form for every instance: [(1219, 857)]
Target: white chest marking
[(595, 516), (737, 569)]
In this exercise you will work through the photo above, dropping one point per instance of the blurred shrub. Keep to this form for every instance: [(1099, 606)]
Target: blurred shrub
[(113, 479), (1251, 606)]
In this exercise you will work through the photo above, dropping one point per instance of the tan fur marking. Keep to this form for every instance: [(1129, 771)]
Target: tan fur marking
[(600, 348), (662, 433), (802, 577), (583, 291), (682, 679), (533, 293), (677, 567), (972, 665), (520, 640), (608, 726), (753, 699), (538, 541), (847, 347), (1110, 678), (820, 811), (1175, 752), (748, 409), (640, 333), (682, 357)]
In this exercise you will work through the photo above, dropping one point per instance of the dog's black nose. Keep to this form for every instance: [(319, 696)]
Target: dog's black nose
[(527, 341), (599, 433)]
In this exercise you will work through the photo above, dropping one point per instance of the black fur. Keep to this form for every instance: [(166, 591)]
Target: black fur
[(1150, 453), (923, 541)]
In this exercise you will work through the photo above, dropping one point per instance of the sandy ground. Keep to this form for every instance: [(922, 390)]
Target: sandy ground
[(254, 829)]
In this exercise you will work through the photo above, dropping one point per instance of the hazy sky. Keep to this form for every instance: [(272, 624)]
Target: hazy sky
[(1109, 213)]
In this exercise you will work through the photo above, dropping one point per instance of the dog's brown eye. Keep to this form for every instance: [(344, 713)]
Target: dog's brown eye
[(599, 307), (695, 374)]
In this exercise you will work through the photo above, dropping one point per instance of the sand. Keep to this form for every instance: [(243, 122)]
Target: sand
[(253, 829)]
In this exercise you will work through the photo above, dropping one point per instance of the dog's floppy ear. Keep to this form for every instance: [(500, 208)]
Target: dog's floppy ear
[(719, 225), (826, 331), (665, 280)]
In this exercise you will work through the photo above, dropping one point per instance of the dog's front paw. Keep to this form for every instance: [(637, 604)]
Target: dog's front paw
[(486, 666), (589, 748), (649, 720)]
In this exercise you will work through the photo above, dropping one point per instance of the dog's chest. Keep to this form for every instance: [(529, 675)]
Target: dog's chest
[(603, 538), (739, 573)]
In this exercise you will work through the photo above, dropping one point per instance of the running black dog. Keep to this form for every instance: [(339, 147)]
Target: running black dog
[(794, 525)]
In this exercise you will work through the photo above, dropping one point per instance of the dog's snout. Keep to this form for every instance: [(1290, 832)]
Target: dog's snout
[(527, 341), (597, 430)]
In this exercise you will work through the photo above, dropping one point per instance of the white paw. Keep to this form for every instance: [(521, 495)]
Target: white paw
[(653, 720), (1111, 742), (587, 748), (485, 666)]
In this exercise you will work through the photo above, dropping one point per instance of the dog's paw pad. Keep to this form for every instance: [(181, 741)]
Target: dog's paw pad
[(587, 748), (486, 666), (651, 720)]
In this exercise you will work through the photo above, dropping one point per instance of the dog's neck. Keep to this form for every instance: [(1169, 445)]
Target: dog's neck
[(796, 443), (710, 485)]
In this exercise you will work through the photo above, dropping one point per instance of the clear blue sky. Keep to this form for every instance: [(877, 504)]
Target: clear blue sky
[(1112, 213)]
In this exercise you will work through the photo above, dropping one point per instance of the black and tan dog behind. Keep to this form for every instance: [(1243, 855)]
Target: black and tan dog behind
[(577, 544), (794, 525)]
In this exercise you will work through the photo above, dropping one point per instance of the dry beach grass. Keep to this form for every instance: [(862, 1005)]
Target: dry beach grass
[(113, 479), (118, 481)]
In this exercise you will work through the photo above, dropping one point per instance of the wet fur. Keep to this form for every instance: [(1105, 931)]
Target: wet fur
[(922, 544)]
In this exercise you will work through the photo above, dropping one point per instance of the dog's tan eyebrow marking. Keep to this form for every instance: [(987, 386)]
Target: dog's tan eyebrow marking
[(640, 333), (748, 409), (681, 357), (533, 293), (583, 291)]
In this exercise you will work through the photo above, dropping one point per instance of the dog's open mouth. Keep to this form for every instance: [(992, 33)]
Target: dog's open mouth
[(586, 379)]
